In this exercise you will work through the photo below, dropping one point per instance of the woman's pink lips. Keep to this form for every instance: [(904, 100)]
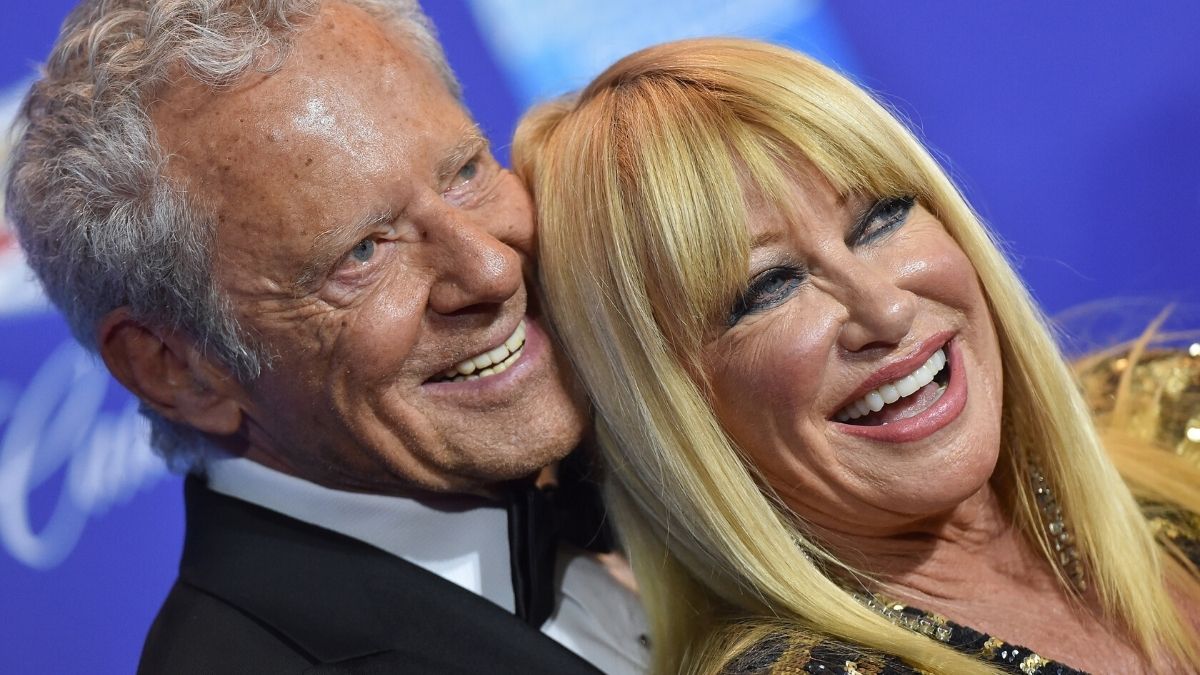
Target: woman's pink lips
[(898, 369), (943, 411)]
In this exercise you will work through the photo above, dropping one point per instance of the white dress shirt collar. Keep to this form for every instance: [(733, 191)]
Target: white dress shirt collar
[(461, 539)]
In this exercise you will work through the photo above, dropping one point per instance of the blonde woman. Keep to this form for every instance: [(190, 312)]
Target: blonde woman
[(839, 435)]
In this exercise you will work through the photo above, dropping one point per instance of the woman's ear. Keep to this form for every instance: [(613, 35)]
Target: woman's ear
[(166, 370)]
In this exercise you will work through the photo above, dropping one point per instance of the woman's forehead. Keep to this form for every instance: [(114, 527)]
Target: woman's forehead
[(803, 196)]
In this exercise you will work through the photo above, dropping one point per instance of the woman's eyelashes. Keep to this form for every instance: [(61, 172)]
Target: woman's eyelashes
[(766, 290), (885, 216), (773, 286)]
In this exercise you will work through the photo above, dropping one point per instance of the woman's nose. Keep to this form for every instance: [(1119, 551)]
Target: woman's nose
[(878, 311)]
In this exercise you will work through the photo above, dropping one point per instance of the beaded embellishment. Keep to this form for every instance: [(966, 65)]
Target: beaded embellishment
[(1061, 540), (925, 624), (1008, 657)]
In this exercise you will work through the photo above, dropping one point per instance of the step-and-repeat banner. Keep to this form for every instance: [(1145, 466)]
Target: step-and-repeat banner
[(1073, 127)]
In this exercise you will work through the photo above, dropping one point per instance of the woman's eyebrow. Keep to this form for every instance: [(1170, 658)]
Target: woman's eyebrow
[(765, 238)]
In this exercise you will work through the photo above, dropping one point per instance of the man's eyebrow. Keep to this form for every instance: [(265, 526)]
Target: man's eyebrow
[(330, 245), (471, 143)]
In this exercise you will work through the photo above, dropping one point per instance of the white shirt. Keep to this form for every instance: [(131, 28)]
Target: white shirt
[(596, 616)]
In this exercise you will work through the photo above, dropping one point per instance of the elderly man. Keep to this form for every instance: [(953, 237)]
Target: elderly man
[(277, 225)]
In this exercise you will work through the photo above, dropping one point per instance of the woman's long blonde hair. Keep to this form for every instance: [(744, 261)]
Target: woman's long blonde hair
[(640, 183)]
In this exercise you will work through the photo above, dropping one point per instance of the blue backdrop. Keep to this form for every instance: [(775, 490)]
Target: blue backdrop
[(1072, 126)]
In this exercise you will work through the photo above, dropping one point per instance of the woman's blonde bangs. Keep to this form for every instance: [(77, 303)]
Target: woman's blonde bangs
[(677, 160)]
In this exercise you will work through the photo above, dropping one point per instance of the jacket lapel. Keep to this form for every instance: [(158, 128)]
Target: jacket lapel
[(347, 604)]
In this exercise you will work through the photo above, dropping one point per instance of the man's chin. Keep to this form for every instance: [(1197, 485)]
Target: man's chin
[(539, 466)]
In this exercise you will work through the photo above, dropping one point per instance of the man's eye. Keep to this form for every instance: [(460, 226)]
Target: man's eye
[(767, 290), (466, 173), (363, 251), (886, 215)]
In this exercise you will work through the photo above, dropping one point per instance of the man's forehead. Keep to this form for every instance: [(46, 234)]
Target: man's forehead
[(337, 60), (306, 97), (340, 127)]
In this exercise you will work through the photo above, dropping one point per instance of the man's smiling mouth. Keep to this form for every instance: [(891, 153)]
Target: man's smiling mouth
[(492, 362), (901, 398)]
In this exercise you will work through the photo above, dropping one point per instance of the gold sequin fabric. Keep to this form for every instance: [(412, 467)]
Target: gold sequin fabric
[(1008, 657), (805, 655), (1161, 405), (1180, 529)]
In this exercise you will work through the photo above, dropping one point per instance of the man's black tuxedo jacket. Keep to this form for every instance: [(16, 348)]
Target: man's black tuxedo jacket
[(262, 593)]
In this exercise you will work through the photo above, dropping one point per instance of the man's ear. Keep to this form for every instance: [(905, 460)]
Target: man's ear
[(166, 371)]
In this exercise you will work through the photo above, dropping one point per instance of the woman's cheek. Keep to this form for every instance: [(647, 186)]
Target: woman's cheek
[(939, 270), (770, 376)]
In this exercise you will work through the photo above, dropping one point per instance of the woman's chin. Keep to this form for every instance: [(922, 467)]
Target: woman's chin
[(924, 481)]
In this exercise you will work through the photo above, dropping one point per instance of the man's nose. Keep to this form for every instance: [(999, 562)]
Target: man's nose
[(474, 267), (879, 312)]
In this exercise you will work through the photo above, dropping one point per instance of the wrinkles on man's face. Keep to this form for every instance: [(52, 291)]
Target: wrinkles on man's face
[(368, 238)]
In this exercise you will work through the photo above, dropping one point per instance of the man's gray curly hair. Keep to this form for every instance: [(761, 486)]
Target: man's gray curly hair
[(100, 224)]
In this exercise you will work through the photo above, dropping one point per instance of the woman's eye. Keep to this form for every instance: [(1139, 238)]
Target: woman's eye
[(885, 215), (767, 290), (363, 251)]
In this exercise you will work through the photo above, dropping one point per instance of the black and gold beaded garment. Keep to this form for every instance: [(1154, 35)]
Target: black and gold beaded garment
[(798, 654), (1165, 391)]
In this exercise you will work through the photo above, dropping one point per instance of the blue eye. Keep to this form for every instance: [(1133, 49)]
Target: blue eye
[(884, 216), (766, 290), (467, 172), (363, 251)]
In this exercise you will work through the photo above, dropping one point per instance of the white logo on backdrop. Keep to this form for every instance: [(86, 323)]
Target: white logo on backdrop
[(19, 293), (56, 427)]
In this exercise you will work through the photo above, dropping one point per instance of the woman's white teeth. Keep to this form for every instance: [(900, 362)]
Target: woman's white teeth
[(874, 401), (491, 362), (907, 385), (891, 392)]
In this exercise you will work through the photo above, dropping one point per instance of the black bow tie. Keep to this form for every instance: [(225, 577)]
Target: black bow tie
[(538, 519)]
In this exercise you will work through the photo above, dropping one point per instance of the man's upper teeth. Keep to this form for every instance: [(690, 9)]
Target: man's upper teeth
[(491, 362), (893, 391)]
